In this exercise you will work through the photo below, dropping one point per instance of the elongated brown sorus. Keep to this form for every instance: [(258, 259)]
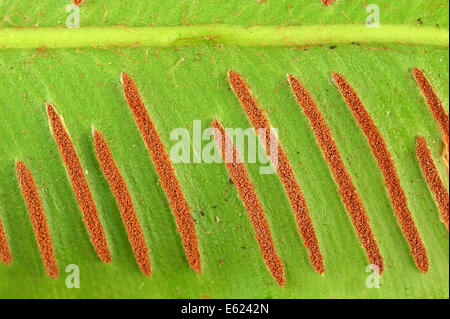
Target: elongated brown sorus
[(5, 253), (433, 102), (38, 219), (327, 2), (248, 195), (166, 173), (435, 105), (284, 169), (387, 167), (347, 189), (431, 175), (79, 185), (123, 197)]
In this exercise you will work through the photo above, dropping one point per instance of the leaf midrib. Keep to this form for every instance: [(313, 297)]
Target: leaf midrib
[(165, 36)]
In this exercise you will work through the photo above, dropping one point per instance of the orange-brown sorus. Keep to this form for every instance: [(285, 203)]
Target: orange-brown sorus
[(38, 219), (433, 102), (123, 197), (284, 169), (387, 167), (327, 2), (347, 189), (436, 108), (248, 195), (5, 253), (77, 2), (79, 185), (166, 173), (431, 175)]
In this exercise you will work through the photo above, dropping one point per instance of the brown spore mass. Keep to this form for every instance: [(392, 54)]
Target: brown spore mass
[(346, 188), (248, 195), (5, 253), (387, 167), (433, 102), (165, 171), (327, 2), (123, 198), (435, 105), (284, 169), (80, 186), (38, 219), (77, 2), (431, 175)]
